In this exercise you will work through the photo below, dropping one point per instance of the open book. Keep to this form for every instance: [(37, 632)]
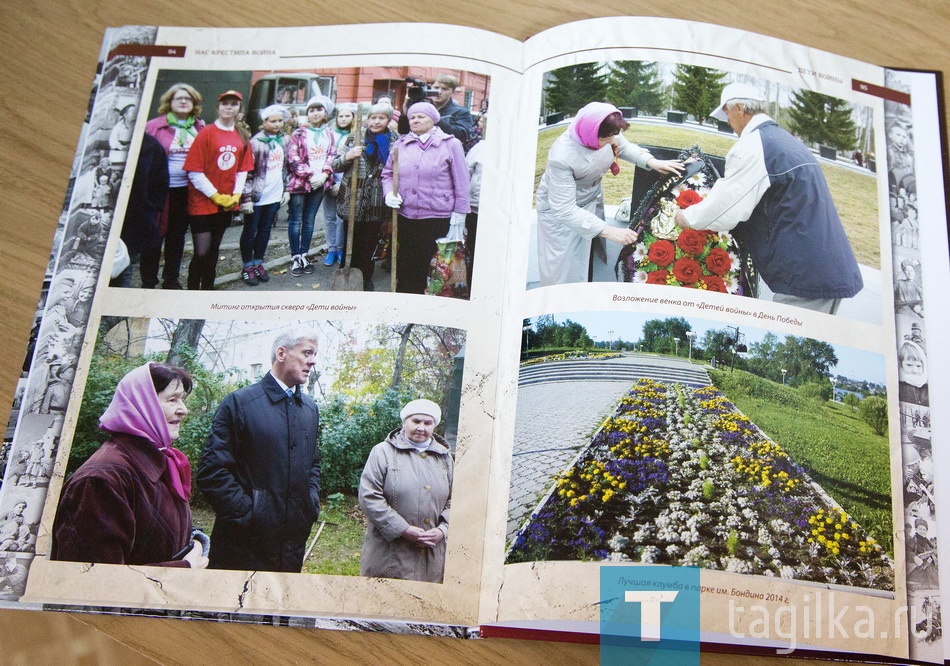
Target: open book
[(703, 378)]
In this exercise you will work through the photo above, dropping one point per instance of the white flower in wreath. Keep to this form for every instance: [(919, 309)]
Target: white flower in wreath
[(735, 261), (640, 277), (639, 252), (732, 284), (664, 224), (697, 181)]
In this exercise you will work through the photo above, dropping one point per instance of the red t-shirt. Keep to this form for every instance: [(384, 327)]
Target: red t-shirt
[(218, 154)]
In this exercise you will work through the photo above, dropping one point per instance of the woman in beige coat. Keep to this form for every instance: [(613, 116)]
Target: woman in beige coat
[(405, 493)]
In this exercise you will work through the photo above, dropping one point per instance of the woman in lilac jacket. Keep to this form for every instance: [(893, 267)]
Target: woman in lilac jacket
[(433, 194), (176, 127)]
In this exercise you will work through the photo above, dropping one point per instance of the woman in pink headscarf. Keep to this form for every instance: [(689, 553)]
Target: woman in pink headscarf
[(570, 200), (128, 503)]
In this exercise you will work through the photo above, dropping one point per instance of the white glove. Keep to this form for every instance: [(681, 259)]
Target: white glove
[(285, 199), (457, 227), (247, 207), (393, 200), (318, 180)]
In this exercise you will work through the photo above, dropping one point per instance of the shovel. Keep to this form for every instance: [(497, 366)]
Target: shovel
[(392, 242), (347, 278)]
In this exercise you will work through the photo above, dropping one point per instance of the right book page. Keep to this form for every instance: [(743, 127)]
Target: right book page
[(742, 387)]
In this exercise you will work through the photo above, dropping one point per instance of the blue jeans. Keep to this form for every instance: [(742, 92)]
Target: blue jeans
[(301, 214), (335, 229), (256, 233)]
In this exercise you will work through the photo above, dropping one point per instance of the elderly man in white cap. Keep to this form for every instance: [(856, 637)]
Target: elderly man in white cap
[(405, 493), (776, 202)]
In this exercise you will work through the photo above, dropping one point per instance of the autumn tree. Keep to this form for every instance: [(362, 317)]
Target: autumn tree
[(635, 83), (696, 90)]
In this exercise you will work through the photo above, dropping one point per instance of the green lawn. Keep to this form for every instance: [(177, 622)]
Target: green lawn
[(838, 450), (854, 193)]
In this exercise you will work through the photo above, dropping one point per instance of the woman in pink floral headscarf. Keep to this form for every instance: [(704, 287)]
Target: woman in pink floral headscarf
[(570, 199), (128, 503)]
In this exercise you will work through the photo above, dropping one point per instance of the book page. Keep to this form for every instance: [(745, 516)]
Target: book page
[(661, 423), (371, 353)]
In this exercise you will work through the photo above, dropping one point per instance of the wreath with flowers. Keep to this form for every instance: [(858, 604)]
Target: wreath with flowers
[(666, 254)]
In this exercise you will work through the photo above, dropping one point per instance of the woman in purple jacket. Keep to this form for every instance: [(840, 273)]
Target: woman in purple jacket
[(176, 127), (432, 198), (128, 503)]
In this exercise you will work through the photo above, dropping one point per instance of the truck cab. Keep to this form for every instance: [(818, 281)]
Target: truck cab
[(289, 90)]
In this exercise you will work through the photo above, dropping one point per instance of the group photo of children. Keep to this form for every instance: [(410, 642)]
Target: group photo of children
[(344, 179)]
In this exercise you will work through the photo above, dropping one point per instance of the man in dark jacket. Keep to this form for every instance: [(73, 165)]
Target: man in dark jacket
[(454, 118), (260, 468), (776, 199)]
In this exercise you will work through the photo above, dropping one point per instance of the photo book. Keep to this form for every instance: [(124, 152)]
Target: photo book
[(623, 334)]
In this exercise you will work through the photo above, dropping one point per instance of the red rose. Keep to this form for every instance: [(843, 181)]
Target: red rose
[(714, 283), (687, 270), (662, 253), (657, 277), (718, 262), (687, 198), (691, 241)]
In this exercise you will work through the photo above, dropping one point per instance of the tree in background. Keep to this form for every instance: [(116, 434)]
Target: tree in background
[(570, 88), (718, 345), (821, 119), (658, 334), (696, 90), (635, 83), (874, 413)]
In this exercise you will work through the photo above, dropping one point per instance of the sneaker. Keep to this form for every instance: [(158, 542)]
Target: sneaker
[(262, 273), (306, 266), (249, 276), (296, 266), (330, 259)]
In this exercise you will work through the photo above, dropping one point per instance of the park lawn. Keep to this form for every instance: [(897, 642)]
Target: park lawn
[(838, 450), (854, 192), (337, 551)]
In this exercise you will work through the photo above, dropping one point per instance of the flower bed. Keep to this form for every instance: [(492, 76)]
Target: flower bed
[(570, 356), (679, 476)]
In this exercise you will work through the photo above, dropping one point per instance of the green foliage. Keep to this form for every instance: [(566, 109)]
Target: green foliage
[(732, 543), (550, 334), (635, 83), (851, 400), (696, 90), (106, 370), (817, 118), (570, 88), (348, 430), (659, 334), (815, 391), (837, 449), (874, 413)]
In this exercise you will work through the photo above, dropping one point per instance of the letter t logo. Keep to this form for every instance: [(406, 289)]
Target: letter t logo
[(649, 610)]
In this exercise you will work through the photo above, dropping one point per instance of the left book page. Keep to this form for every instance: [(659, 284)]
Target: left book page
[(257, 289)]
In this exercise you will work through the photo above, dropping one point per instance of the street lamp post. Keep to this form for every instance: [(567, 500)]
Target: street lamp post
[(690, 335), (676, 341), (834, 386), (783, 376)]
